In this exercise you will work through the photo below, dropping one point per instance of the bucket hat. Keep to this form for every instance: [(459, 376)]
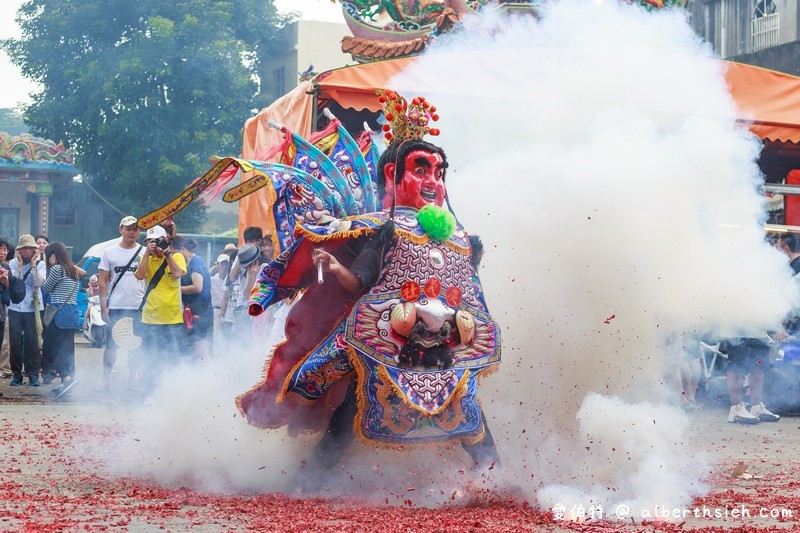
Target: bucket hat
[(26, 241)]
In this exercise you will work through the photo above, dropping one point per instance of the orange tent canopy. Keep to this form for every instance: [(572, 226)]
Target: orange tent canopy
[(769, 104), (768, 101)]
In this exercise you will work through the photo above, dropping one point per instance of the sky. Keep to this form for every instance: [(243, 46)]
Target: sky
[(16, 89)]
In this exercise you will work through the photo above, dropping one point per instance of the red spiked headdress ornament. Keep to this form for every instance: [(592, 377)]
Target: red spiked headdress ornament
[(404, 121)]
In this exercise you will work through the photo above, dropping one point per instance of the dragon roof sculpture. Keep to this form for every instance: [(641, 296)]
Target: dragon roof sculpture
[(390, 29), (25, 148)]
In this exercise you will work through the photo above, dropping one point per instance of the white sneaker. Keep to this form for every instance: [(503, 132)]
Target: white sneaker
[(763, 413), (740, 415)]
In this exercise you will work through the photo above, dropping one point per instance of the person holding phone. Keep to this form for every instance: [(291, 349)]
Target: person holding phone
[(26, 358)]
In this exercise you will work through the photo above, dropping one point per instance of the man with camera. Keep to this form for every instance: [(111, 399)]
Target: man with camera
[(120, 292), (162, 314)]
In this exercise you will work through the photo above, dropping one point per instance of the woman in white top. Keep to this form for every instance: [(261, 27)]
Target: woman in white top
[(58, 348)]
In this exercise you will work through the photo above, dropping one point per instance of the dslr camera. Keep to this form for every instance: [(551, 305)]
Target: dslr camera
[(162, 244)]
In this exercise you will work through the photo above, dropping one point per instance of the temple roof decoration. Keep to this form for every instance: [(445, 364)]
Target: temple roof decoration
[(365, 50), (390, 29), (387, 29), (659, 4), (25, 148)]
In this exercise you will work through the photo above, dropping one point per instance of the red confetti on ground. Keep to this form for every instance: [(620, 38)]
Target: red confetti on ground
[(44, 488)]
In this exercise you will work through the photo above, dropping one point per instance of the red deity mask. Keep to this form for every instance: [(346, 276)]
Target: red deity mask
[(422, 183)]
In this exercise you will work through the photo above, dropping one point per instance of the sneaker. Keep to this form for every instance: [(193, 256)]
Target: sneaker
[(763, 413), (16, 381), (33, 381), (740, 415), (64, 388)]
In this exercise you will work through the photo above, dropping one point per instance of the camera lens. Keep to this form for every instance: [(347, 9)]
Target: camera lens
[(162, 243)]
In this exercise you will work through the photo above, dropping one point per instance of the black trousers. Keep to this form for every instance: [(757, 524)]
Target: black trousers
[(58, 351), (23, 344)]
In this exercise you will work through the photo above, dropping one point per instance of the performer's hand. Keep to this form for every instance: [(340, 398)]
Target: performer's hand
[(320, 256), (344, 275)]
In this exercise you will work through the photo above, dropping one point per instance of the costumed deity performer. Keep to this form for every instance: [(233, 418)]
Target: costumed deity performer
[(390, 347)]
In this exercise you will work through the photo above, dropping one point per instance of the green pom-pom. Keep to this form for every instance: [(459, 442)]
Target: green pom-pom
[(438, 223)]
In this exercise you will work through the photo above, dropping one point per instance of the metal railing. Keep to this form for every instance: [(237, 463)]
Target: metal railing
[(765, 31)]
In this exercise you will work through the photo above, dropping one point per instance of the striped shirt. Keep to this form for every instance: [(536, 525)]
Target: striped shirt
[(60, 286)]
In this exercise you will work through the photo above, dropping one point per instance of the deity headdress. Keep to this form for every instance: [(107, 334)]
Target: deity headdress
[(403, 121), (328, 176)]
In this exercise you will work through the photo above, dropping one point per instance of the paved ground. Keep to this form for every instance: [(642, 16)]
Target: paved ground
[(45, 487)]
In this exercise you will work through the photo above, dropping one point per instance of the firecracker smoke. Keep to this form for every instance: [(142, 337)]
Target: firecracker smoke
[(597, 153)]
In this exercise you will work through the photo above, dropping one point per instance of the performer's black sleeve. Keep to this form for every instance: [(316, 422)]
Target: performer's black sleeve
[(476, 244), (792, 322), (367, 265)]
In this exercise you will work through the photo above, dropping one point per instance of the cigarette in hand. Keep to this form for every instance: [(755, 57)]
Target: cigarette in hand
[(319, 273)]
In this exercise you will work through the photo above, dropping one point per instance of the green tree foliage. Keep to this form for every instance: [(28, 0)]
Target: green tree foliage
[(144, 91), (11, 122)]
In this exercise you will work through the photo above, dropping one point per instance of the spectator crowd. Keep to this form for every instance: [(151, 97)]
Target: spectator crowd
[(158, 299)]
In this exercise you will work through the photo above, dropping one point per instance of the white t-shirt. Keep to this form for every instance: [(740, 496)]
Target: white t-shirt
[(231, 290), (129, 291), (217, 286), (278, 332), (241, 297), (26, 305)]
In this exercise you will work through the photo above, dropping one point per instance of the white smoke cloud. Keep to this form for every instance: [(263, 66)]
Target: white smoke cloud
[(596, 152), (189, 432)]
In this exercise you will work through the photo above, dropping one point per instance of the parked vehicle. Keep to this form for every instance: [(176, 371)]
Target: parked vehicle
[(89, 262), (95, 329), (782, 382)]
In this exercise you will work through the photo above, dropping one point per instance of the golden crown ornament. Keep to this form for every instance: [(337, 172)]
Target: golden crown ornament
[(404, 121)]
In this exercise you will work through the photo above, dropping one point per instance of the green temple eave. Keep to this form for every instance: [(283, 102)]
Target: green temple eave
[(38, 166), (26, 152)]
